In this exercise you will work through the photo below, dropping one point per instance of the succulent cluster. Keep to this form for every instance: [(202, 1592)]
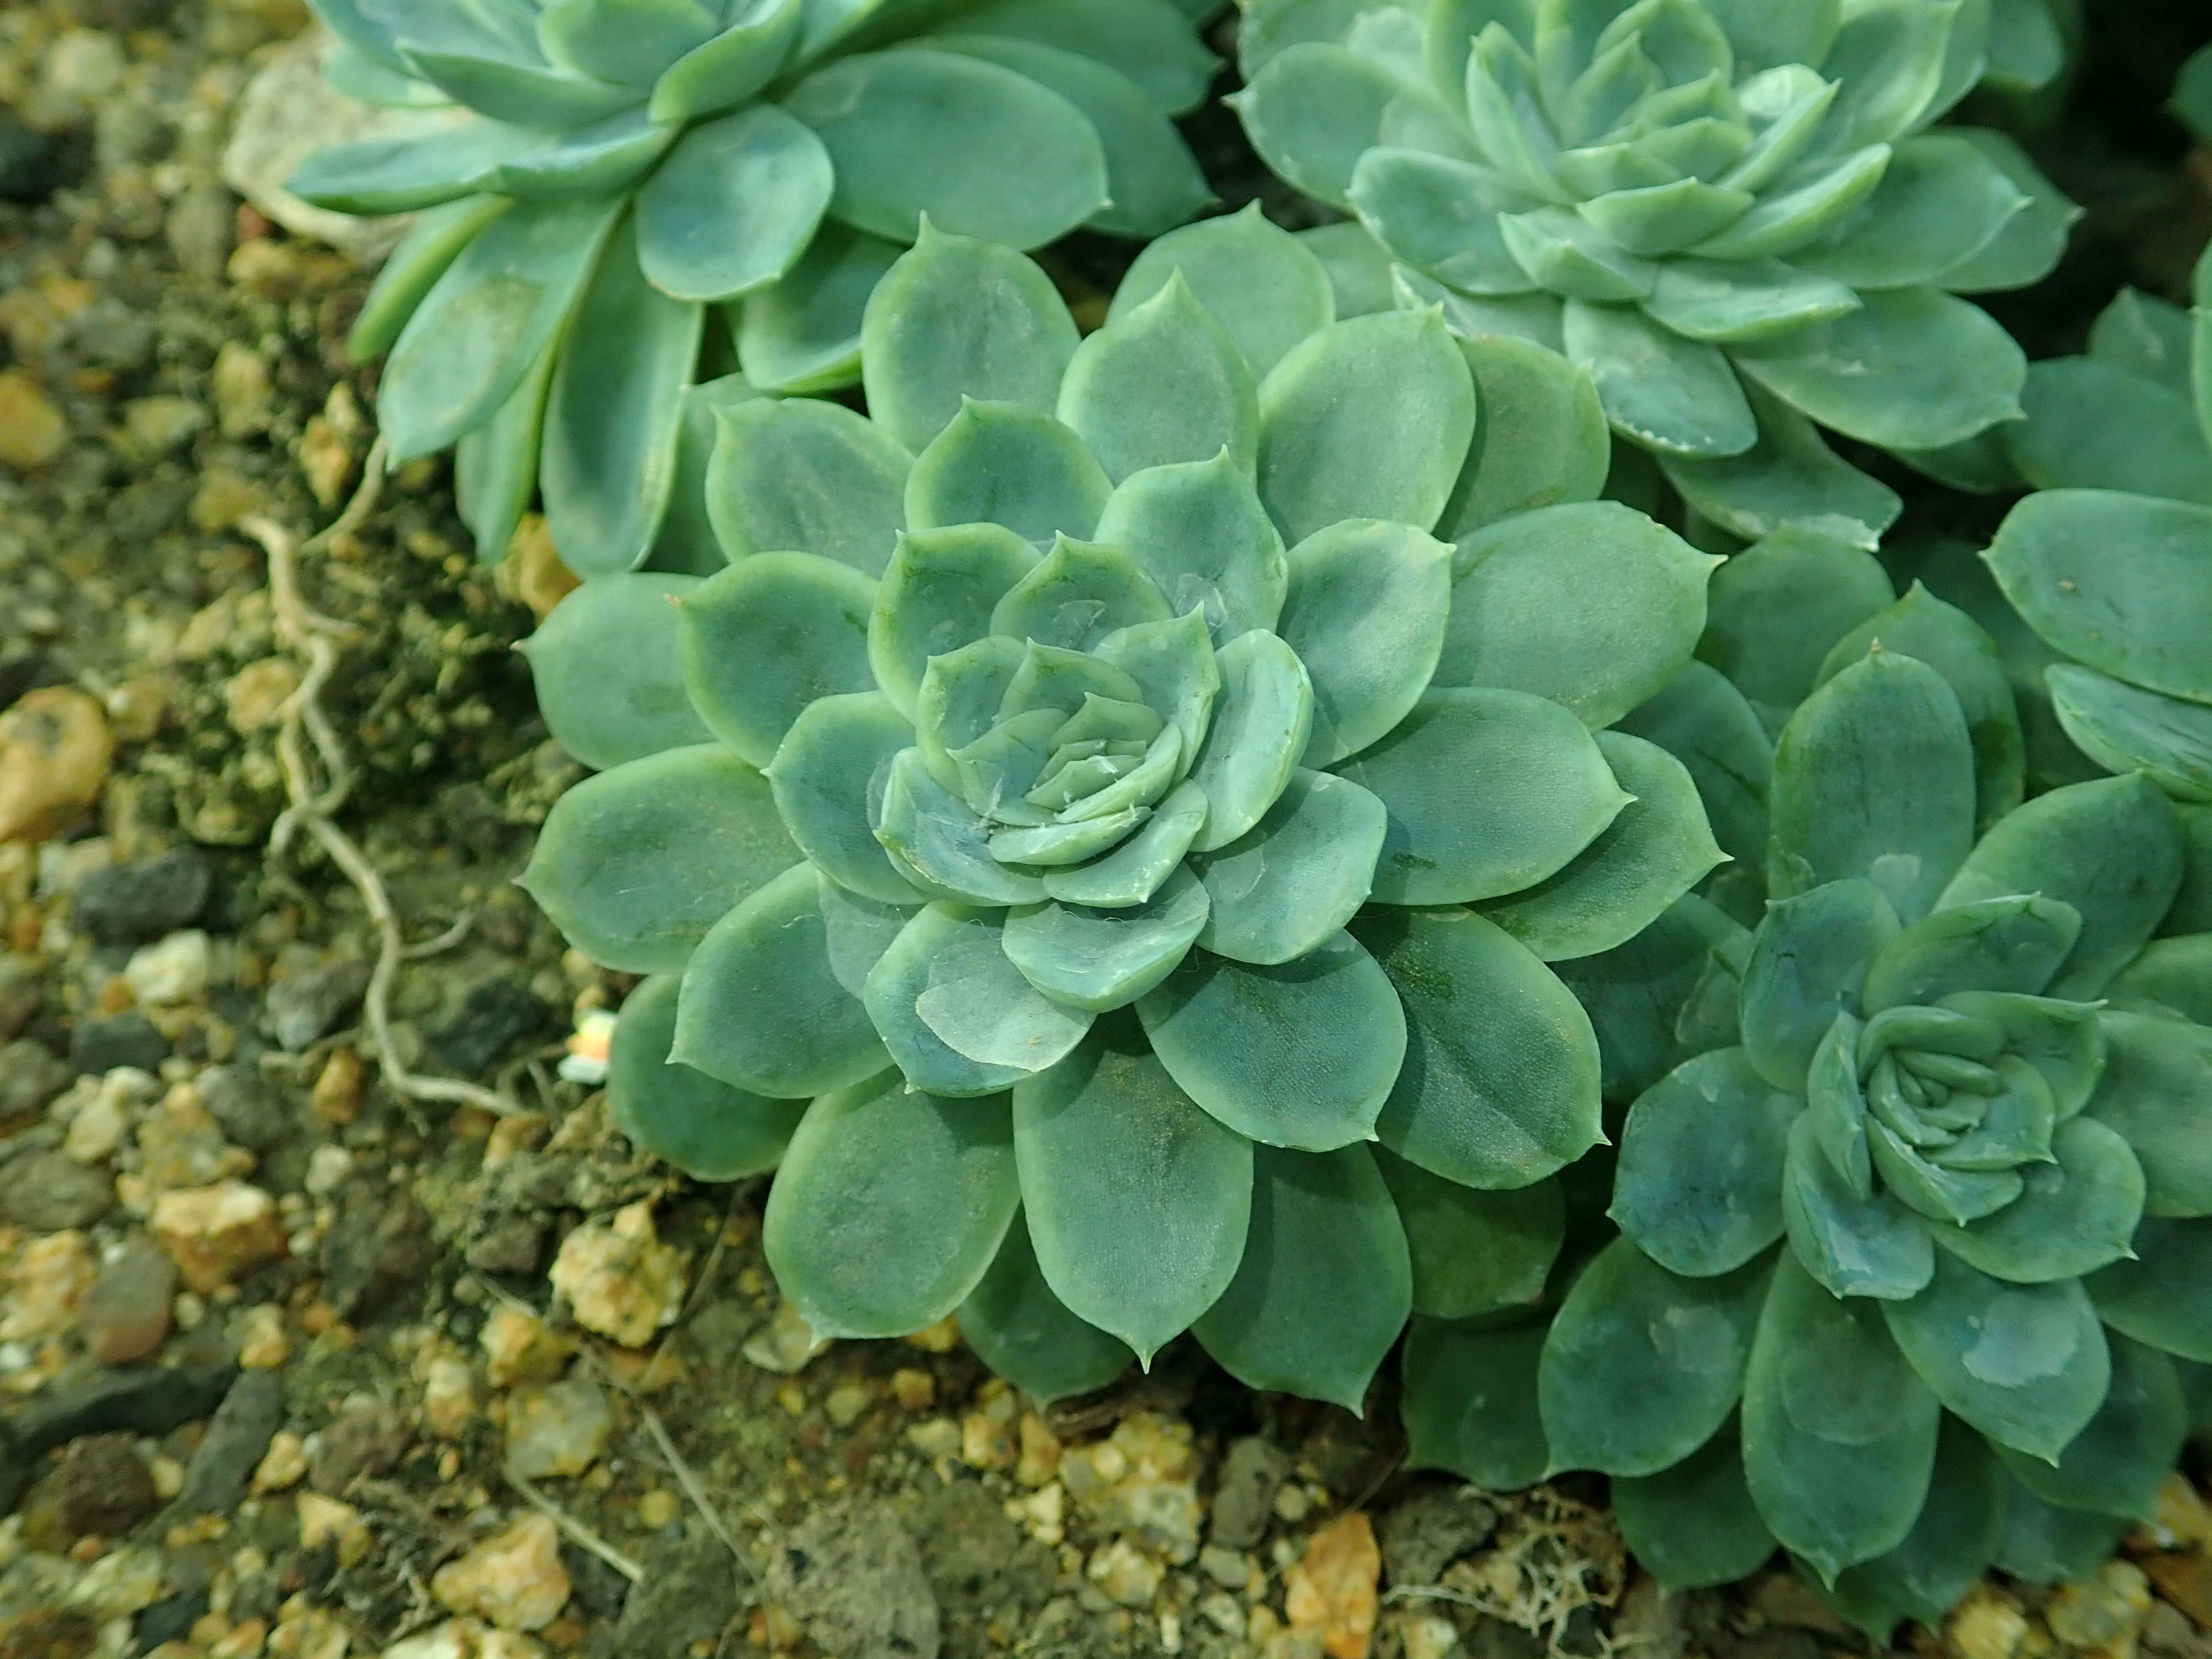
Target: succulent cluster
[(1138, 784), (619, 190), (1734, 214)]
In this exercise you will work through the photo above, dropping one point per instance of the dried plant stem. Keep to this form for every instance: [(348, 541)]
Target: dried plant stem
[(573, 1529), (313, 637)]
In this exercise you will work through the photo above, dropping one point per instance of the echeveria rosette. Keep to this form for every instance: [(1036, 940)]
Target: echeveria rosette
[(1138, 783), (640, 175), (1734, 213), (1910, 1271)]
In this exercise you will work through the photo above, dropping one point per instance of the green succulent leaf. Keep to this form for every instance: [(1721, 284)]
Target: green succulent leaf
[(1805, 203), (2029, 247), (707, 1129), (801, 476), (936, 840), (415, 170), (2147, 337), (2162, 1295), (2014, 944), (1694, 1524), (686, 541), (1776, 609), (937, 595), (1474, 1253), (1642, 1366), (1003, 464), (2116, 1464), (1704, 722), (2027, 1365), (1200, 532), (2094, 424), (1294, 879), (2156, 1072), (1150, 41), (1134, 872), (410, 271), (1025, 1334), (1101, 959), (1649, 1000), (1324, 1284), (1942, 201), (1263, 719), (1162, 384), (1302, 1054), (1437, 214), (604, 662), (1469, 1402), (732, 65), (1366, 610), (821, 776), (627, 40), (1855, 1243), (1591, 604), (1954, 1538), (1729, 300), (496, 466), (957, 1014), (1661, 390), (1540, 438), (2046, 1545), (733, 206), (1255, 278), (2063, 1040), (1809, 964), (768, 637), (635, 865), (803, 334), (1698, 1186), (2075, 1215), (1316, 108), (2125, 728), (889, 1207), (1790, 477), (1079, 594), (1489, 792)]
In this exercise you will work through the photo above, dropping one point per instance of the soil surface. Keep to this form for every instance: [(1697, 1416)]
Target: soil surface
[(291, 1364)]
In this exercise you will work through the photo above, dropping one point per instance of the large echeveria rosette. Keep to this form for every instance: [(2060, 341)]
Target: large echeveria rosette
[(1910, 1272), (1734, 214), (645, 186), (1161, 829)]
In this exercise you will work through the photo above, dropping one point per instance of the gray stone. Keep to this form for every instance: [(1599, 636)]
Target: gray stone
[(30, 165), (512, 1245), (101, 1045), (1431, 1530), (144, 899), (252, 1113), (21, 994), (144, 1401), (236, 1441), (365, 1439), (689, 1594), (98, 1485), (852, 1576), (1251, 1474), (493, 1017), (30, 1076), (48, 1191), (126, 1312), (304, 1005)]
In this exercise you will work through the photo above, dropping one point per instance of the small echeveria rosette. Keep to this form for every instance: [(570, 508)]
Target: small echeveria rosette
[(1736, 214), (1912, 1276), (1128, 794), (643, 186), (2109, 563)]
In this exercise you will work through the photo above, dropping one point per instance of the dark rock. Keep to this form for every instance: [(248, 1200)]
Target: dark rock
[(126, 1312), (99, 1485), (237, 1440), (380, 1247), (852, 1576), (532, 1180), (21, 994), (48, 1191), (1431, 1530), (493, 1016), (48, 1633), (30, 1076), (252, 1113), (101, 1045), (303, 1006), (598, 1587), (512, 1245), (150, 1401), (1251, 1474), (30, 165), (688, 1595), (367, 1437), (169, 1619), (129, 904)]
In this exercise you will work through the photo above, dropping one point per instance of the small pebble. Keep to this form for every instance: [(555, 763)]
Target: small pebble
[(336, 1094), (283, 1465), (100, 1485), (332, 1521), (365, 1439), (914, 1390), (153, 426), (517, 1345), (101, 1045), (262, 1343), (240, 386), (846, 1402), (238, 1437), (254, 697), (47, 1191), (1332, 1589), (48, 1287), (174, 970), (30, 1076), (216, 1234), (126, 1312), (620, 1279), (32, 430), (143, 898), (557, 1428), (1126, 1573), (515, 1579), (55, 748), (785, 1344)]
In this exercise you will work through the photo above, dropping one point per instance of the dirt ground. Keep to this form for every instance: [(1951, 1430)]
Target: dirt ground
[(292, 1364)]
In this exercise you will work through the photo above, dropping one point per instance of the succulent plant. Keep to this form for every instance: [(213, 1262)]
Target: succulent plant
[(1734, 214), (1129, 792), (643, 184), (1912, 1263)]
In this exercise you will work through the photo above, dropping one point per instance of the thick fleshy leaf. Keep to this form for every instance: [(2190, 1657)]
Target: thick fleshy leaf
[(1138, 1201), (416, 170), (687, 542), (1300, 1055), (1366, 609), (1699, 1186), (1652, 1000), (2111, 849), (1790, 477), (1262, 719), (889, 1207), (957, 1015), (1097, 960), (1148, 40), (761, 1007), (1163, 384), (961, 318), (2014, 944), (1367, 419), (1694, 1524), (1489, 792), (2134, 618), (1914, 369), (1953, 1539), (2045, 1545), (821, 776), (1174, 669), (2093, 424), (801, 475), (1002, 464), (732, 65), (1717, 299), (1538, 318), (1704, 722), (2064, 1041), (521, 94), (635, 865), (2156, 1074), (1540, 438), (1291, 881), (2074, 1216), (1776, 609), (937, 595), (1024, 1333), (1430, 211), (1200, 532), (1081, 592), (733, 206), (409, 272), (2171, 977), (1256, 279), (1591, 604), (1499, 1087), (1940, 201), (1808, 962), (1854, 1244), (1657, 850), (936, 840), (2118, 1463), (878, 112), (1326, 1282), (1677, 396), (2027, 1365), (605, 666), (803, 334), (2163, 1296), (2125, 728), (1474, 1252), (1568, 255), (768, 637), (496, 466), (1873, 778), (1802, 206), (1839, 1434), (485, 322), (1317, 107), (627, 40), (705, 1128), (1134, 872), (1643, 1365), (2032, 242), (1470, 1403), (2147, 337)]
